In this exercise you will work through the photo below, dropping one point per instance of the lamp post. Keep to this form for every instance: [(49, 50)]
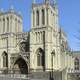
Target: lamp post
[(52, 54)]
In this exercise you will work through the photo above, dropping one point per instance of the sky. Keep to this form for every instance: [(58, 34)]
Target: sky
[(69, 17)]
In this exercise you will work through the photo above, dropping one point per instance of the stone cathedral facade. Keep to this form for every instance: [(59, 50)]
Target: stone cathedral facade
[(42, 50)]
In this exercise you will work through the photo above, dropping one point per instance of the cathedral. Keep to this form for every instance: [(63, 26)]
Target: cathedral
[(43, 53)]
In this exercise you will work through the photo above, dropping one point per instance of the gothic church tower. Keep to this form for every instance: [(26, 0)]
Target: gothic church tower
[(44, 36), (10, 22)]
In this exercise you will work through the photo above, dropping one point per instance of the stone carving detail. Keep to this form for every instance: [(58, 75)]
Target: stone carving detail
[(23, 47)]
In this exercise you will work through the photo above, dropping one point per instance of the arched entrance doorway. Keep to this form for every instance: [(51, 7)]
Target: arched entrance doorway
[(21, 66)]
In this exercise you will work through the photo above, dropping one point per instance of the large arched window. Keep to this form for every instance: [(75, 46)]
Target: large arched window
[(43, 17), (37, 17), (76, 63), (40, 57), (5, 59)]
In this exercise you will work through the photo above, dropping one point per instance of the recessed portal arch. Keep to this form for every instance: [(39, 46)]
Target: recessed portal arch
[(21, 65)]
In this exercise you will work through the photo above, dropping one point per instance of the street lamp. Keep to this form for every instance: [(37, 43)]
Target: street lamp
[(52, 54)]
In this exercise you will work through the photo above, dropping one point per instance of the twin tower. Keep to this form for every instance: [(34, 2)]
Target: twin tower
[(44, 36)]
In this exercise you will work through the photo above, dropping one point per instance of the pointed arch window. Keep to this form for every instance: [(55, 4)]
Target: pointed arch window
[(5, 59), (40, 57), (3, 24), (43, 17), (7, 24), (37, 18)]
